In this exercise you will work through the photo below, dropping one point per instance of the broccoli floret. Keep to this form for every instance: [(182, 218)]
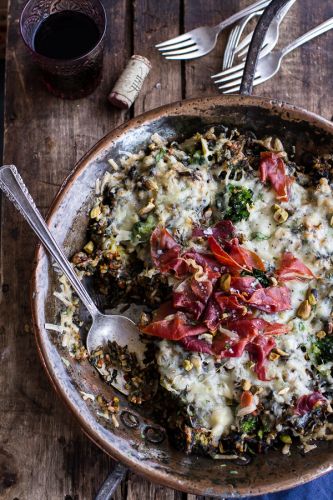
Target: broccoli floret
[(249, 424), (142, 230), (323, 349), (240, 200)]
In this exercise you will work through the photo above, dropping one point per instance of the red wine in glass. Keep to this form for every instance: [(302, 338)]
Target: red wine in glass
[(66, 35), (67, 45)]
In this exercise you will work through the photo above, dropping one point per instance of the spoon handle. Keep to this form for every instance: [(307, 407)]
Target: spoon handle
[(16, 191)]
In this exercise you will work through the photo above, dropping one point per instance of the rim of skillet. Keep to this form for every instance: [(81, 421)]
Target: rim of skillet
[(187, 107)]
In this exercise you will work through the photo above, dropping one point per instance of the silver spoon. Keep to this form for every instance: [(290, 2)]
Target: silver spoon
[(104, 327)]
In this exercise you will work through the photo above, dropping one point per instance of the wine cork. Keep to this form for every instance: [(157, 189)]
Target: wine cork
[(130, 82)]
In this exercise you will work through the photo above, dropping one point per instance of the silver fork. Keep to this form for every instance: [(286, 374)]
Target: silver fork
[(234, 37), (269, 65), (272, 35), (200, 41)]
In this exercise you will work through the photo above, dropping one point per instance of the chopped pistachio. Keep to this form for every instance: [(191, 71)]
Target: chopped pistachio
[(312, 296), (312, 299), (89, 247), (286, 439), (274, 281), (187, 365), (280, 215), (246, 386), (95, 212), (279, 351), (148, 208), (304, 310), (225, 282), (150, 184), (196, 362)]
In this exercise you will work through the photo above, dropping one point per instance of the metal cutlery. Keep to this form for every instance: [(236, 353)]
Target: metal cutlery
[(104, 327), (234, 38), (272, 35), (269, 65), (201, 41)]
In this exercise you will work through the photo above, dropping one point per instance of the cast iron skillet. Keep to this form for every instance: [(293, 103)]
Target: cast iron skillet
[(139, 442)]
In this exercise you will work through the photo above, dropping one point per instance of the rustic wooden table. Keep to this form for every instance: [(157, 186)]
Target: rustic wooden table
[(43, 453)]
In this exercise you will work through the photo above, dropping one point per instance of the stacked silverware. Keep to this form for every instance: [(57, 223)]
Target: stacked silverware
[(201, 41)]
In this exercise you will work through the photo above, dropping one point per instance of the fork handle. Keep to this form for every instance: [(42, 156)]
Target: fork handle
[(261, 4), (318, 30)]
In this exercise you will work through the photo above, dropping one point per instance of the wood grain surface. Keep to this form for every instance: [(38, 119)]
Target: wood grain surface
[(43, 453)]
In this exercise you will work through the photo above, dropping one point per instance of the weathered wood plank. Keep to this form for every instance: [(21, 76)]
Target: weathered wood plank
[(154, 22), (43, 453), (306, 73), (198, 71)]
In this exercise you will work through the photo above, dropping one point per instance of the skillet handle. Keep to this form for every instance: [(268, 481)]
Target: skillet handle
[(257, 40), (112, 482)]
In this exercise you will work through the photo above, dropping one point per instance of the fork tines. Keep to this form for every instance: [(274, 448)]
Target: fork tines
[(180, 47)]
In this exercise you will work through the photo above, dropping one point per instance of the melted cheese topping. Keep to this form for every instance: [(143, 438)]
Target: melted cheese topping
[(180, 196), (308, 235)]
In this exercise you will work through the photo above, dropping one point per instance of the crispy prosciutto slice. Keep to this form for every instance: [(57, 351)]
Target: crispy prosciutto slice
[(194, 344), (245, 257), (230, 304), (222, 256), (253, 326), (273, 169), (212, 315), (166, 256), (223, 230), (271, 299), (259, 349), (192, 296), (224, 347), (253, 335), (308, 402), (164, 249), (236, 257), (244, 284), (173, 327), (205, 260), (292, 268)]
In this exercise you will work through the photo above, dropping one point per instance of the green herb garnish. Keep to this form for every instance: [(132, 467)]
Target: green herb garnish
[(240, 201), (248, 425), (197, 158), (259, 236), (323, 349), (160, 155), (142, 230), (260, 275)]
